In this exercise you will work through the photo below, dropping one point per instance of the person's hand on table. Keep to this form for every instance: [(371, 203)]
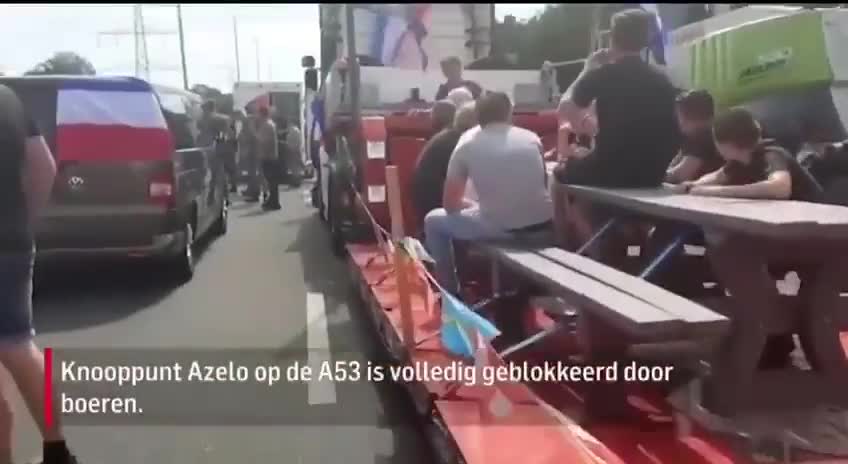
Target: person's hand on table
[(708, 190), (682, 188)]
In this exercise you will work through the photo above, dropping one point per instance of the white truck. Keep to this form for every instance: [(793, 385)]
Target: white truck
[(286, 99)]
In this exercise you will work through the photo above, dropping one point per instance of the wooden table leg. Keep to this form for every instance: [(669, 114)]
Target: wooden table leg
[(742, 270), (603, 346), (820, 296)]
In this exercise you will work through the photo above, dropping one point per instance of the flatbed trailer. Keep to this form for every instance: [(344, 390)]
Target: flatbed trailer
[(371, 153)]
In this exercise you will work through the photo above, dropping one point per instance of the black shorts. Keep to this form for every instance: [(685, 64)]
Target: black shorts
[(590, 170), (16, 269), (598, 170)]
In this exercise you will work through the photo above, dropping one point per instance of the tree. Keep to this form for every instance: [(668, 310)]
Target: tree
[(65, 63), (223, 101), (559, 33)]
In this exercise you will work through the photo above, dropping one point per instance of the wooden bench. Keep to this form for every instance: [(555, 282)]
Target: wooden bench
[(628, 304), (615, 311)]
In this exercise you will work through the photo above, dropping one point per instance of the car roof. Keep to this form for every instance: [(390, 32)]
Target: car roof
[(95, 81)]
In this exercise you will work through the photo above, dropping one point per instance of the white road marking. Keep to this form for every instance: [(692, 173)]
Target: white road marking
[(318, 344)]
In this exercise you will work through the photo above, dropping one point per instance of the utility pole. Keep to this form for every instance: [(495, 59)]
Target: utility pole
[(352, 60), (142, 64), (139, 33), (182, 45), (256, 43), (235, 41)]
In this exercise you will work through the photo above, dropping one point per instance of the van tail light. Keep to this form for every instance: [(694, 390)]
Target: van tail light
[(161, 188)]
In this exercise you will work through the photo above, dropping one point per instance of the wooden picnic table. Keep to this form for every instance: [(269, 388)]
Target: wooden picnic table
[(743, 238)]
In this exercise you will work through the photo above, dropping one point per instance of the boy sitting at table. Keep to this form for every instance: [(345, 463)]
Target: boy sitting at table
[(753, 167), (698, 154), (758, 169)]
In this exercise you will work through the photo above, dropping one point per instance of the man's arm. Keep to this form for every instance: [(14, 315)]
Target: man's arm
[(453, 195), (442, 93), (575, 105), (778, 185), (715, 178), (686, 169), (474, 88), (39, 173)]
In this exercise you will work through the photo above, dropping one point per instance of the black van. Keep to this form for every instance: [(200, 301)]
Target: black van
[(131, 179)]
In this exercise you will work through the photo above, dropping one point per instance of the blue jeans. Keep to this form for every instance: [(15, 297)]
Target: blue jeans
[(441, 228), (16, 269)]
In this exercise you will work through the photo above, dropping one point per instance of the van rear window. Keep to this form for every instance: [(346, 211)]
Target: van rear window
[(39, 99)]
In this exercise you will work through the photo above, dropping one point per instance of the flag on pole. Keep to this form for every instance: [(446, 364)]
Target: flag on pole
[(496, 402), (459, 325), (416, 250), (657, 46)]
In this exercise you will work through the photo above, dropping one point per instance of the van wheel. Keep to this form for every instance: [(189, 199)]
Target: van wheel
[(220, 227), (183, 262)]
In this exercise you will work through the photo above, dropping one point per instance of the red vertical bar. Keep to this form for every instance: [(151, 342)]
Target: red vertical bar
[(48, 388)]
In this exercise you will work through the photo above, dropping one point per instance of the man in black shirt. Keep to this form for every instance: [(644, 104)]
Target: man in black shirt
[(698, 153), (27, 171), (452, 69), (635, 104), (429, 177), (637, 134)]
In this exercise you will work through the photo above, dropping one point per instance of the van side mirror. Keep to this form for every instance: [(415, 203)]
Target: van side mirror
[(307, 61), (310, 79)]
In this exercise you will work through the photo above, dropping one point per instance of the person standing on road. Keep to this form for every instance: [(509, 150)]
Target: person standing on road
[(269, 154), (212, 129), (27, 172), (294, 143), (230, 153), (249, 156)]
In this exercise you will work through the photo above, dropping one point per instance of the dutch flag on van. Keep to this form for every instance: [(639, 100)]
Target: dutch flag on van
[(110, 119)]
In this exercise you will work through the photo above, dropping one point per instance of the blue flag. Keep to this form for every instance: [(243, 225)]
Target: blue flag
[(459, 324), (657, 46)]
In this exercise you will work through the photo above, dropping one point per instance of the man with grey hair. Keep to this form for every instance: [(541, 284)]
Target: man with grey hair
[(429, 176), (442, 115)]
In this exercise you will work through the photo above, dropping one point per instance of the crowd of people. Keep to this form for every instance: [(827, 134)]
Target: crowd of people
[(252, 139), (623, 124)]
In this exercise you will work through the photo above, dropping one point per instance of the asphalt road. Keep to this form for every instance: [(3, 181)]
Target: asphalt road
[(256, 287)]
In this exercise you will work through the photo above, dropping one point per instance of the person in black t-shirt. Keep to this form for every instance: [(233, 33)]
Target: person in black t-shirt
[(27, 172), (429, 177), (698, 153), (452, 69), (637, 133), (753, 168)]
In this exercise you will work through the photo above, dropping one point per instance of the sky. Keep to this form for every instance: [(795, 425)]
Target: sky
[(279, 35)]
